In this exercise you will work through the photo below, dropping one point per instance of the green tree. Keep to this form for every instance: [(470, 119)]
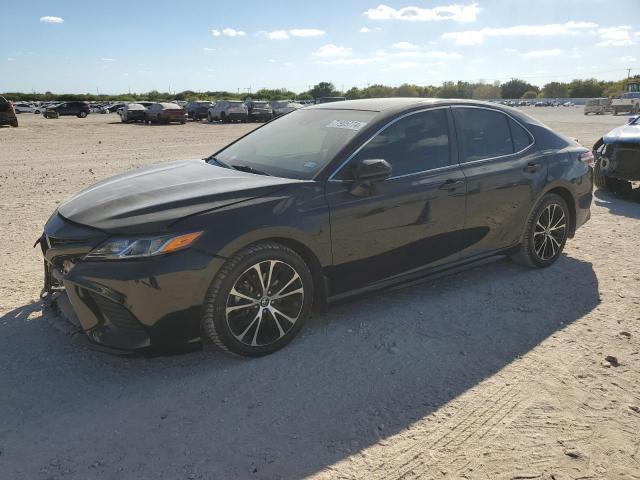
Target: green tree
[(516, 88), (485, 91), (530, 94), (555, 90), (323, 89), (588, 88)]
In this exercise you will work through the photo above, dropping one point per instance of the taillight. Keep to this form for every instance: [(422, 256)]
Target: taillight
[(587, 158), (11, 109)]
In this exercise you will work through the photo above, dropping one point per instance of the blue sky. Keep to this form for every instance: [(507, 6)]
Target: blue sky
[(116, 46)]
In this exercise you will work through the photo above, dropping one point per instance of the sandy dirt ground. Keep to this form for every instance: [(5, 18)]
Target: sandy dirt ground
[(498, 372)]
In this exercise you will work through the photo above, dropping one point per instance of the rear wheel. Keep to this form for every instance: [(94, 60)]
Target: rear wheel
[(14, 123), (545, 233), (82, 115), (259, 300), (223, 118)]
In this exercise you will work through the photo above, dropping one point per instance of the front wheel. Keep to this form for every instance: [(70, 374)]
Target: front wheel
[(259, 300), (82, 115), (545, 233), (14, 123)]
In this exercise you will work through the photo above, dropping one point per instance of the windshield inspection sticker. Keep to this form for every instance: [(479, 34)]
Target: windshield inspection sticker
[(347, 124)]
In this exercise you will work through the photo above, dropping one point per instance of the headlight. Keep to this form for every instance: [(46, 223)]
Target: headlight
[(122, 248)]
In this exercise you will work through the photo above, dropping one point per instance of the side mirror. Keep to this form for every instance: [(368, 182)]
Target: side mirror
[(368, 172)]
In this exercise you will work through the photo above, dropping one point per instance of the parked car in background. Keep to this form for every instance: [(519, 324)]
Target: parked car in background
[(617, 157), (26, 108), (259, 111), (165, 113), (197, 109), (282, 107), (568, 104), (326, 202), (133, 112), (79, 109), (112, 108), (597, 106), (228, 111), (7, 113)]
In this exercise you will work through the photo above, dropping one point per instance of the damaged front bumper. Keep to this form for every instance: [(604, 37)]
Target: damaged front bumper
[(621, 161), (148, 304)]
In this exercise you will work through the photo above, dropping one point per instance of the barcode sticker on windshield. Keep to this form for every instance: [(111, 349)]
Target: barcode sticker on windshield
[(347, 124)]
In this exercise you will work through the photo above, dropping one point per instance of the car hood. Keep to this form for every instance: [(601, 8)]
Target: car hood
[(625, 134), (150, 199)]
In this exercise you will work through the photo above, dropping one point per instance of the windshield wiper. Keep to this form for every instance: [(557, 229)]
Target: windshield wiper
[(248, 169), (219, 162)]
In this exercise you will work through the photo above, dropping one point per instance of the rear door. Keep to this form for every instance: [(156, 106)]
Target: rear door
[(413, 219), (504, 172)]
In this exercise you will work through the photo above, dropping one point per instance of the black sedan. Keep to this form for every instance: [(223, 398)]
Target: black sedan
[(325, 202)]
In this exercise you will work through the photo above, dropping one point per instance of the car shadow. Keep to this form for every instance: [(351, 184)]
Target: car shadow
[(627, 207), (367, 370)]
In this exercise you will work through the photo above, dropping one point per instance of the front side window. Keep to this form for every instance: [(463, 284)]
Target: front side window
[(413, 144), (483, 133)]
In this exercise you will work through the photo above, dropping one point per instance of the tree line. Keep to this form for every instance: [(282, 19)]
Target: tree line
[(512, 89)]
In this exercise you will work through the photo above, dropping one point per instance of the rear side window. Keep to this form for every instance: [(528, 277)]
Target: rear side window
[(483, 133), (521, 138)]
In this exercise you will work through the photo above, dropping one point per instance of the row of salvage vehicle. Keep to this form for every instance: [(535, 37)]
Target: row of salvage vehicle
[(225, 111)]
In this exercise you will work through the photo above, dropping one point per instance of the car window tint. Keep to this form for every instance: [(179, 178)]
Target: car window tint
[(413, 144), (483, 133), (521, 138)]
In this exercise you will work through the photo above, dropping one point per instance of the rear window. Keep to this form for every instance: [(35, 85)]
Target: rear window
[(484, 133), (521, 138)]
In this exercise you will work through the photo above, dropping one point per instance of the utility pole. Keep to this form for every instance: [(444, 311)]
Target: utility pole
[(628, 73)]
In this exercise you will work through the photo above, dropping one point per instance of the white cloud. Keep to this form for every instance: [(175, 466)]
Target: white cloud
[(553, 52), (306, 32), (475, 37), (51, 20), (369, 30), (230, 32), (510, 50), (288, 64), (278, 35), (615, 37), (216, 33), (627, 59), (455, 12), (394, 60), (420, 54), (208, 49), (11, 59), (271, 60), (405, 46), (402, 66), (331, 50), (107, 59)]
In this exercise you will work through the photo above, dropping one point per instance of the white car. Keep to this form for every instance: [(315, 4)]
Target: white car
[(282, 107), (26, 108), (227, 111)]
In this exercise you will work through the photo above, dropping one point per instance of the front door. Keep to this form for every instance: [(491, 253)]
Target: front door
[(413, 219)]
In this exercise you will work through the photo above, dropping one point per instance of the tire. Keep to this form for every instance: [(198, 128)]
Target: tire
[(14, 123), (599, 179), (82, 115), (223, 118), (37, 112), (209, 118), (551, 211), (245, 323), (615, 111)]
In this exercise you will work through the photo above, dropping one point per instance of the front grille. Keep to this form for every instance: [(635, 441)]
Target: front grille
[(54, 242), (628, 161), (117, 315)]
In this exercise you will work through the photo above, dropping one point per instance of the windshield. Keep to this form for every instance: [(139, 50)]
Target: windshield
[(296, 145)]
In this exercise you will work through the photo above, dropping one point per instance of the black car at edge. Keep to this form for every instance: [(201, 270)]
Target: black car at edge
[(323, 203)]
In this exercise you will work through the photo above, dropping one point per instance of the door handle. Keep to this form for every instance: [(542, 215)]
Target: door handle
[(451, 184), (532, 167)]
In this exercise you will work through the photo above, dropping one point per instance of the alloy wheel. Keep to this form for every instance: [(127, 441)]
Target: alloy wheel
[(265, 303), (550, 232)]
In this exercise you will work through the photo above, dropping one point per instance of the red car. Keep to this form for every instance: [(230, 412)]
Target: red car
[(165, 113)]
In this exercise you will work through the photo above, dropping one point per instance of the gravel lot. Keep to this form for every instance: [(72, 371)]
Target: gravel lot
[(496, 372)]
